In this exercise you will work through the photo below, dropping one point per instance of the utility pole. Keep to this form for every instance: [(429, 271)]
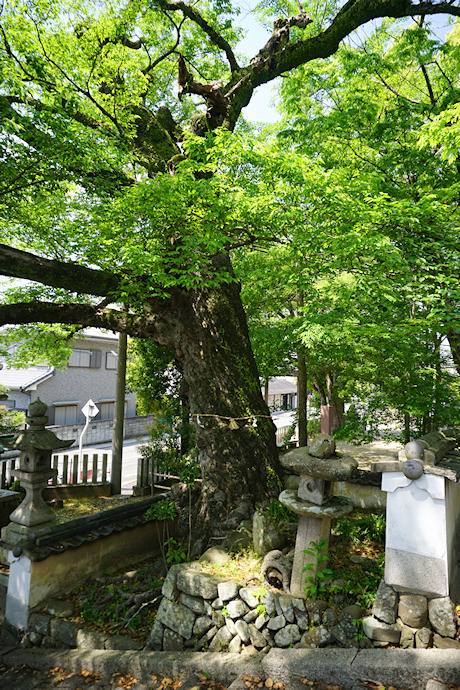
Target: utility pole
[(117, 432)]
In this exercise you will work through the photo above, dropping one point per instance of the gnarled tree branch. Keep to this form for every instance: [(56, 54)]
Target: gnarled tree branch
[(192, 14), (280, 56), (79, 314), (16, 263)]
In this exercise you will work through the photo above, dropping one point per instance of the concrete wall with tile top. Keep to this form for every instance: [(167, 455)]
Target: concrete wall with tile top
[(31, 582), (101, 431)]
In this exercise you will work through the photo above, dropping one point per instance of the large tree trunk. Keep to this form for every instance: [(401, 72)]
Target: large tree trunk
[(328, 395), (235, 434), (335, 401), (302, 398), (207, 330)]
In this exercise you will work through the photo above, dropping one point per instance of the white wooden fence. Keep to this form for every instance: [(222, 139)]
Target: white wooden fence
[(284, 433), (93, 468)]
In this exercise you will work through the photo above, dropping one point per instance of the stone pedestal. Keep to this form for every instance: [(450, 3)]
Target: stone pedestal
[(422, 550), (313, 502), (309, 530), (314, 526), (33, 509)]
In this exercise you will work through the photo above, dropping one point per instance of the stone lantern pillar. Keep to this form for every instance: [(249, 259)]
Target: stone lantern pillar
[(318, 467), (36, 445)]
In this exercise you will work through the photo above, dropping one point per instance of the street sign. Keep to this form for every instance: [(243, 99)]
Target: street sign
[(90, 410)]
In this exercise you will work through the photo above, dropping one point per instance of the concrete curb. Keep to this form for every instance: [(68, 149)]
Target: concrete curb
[(224, 668), (410, 669)]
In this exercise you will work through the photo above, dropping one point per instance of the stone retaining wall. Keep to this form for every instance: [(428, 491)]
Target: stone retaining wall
[(49, 629), (201, 611)]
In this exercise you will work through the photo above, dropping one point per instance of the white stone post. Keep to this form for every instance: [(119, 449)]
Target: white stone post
[(19, 590), (423, 508)]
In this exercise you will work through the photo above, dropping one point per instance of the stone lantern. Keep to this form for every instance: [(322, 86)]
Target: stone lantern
[(36, 445), (312, 501)]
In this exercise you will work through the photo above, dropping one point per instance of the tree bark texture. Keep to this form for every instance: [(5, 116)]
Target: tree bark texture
[(208, 332), (327, 391), (335, 401), (454, 342)]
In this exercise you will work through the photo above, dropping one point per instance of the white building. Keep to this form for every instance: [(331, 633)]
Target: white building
[(91, 373), (282, 393)]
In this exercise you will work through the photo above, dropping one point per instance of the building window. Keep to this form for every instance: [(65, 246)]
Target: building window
[(107, 410), (65, 414), (80, 358), (85, 358), (110, 360)]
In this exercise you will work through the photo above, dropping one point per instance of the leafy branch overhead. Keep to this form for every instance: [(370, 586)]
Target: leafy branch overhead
[(99, 105)]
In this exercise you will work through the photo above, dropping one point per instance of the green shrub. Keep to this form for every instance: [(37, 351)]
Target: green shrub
[(161, 510)]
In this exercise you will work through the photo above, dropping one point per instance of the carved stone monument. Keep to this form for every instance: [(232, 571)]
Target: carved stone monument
[(318, 466), (422, 546)]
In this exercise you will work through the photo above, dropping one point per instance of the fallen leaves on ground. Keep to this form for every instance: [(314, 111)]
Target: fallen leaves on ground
[(61, 674), (259, 683), (205, 683), (318, 686), (210, 684), (124, 680), (90, 677), (166, 683)]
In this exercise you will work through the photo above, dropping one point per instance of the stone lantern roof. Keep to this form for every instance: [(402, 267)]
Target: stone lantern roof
[(36, 436)]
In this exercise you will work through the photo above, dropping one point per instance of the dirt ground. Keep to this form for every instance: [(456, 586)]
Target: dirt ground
[(371, 452)]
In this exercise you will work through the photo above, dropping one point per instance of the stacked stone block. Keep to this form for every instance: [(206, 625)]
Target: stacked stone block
[(200, 611), (412, 620), (244, 619)]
